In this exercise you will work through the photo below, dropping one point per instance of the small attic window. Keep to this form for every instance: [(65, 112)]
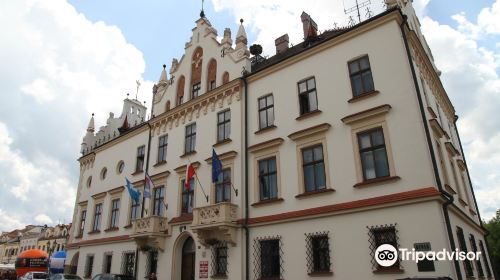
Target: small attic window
[(89, 181), (131, 110), (104, 172), (120, 166)]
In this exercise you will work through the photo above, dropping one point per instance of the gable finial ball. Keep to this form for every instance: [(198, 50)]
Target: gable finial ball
[(164, 66), (241, 20)]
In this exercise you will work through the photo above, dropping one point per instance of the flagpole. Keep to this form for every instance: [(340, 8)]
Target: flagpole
[(145, 172), (197, 179)]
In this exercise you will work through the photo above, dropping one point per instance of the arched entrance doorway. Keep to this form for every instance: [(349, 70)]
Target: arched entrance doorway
[(73, 268), (188, 259)]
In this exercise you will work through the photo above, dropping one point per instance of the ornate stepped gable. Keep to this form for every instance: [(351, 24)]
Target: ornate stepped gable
[(205, 65)]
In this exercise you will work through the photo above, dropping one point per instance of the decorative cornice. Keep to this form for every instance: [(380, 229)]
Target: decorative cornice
[(451, 149), (182, 168), (116, 190), (160, 175), (363, 115), (98, 241), (265, 145), (99, 195), (83, 203), (224, 156), (320, 128), (199, 105), (436, 127)]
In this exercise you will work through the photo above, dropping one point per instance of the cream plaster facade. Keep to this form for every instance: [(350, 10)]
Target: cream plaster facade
[(415, 198)]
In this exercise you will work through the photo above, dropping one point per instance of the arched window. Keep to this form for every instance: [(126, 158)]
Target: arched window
[(180, 91), (212, 75), (225, 78), (196, 65), (167, 106)]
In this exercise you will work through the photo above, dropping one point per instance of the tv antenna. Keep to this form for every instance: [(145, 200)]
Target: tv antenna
[(357, 8)]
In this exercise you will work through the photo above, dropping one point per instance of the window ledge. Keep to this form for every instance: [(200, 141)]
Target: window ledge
[(137, 172), (449, 189), (111, 229), (128, 226), (79, 236), (188, 154), (320, 273), (160, 163), (388, 270), (94, 232), (269, 201), (222, 142), (462, 202), (363, 96), (315, 192), (377, 181), (264, 129), (308, 114)]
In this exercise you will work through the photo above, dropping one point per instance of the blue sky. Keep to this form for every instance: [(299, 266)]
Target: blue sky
[(65, 59)]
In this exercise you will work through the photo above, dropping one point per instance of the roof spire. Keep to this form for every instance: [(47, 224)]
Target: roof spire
[(241, 36), (163, 76), (202, 13), (90, 127)]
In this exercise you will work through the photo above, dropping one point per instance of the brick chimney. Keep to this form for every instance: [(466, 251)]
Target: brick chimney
[(281, 44), (310, 27)]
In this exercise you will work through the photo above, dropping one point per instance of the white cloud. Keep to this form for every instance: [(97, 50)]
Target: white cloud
[(58, 68)]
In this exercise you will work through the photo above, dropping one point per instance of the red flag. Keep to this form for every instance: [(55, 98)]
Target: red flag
[(189, 176)]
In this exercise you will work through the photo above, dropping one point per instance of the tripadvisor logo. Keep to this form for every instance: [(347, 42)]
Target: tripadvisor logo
[(387, 255)]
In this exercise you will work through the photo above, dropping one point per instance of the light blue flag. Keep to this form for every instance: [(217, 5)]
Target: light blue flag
[(134, 194)]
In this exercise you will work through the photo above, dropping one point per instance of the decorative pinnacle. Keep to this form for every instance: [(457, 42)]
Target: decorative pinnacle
[(164, 66), (92, 114), (127, 95), (241, 20)]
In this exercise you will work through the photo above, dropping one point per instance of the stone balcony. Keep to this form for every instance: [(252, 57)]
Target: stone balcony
[(150, 232), (217, 222)]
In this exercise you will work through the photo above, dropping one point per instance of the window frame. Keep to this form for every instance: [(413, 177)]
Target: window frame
[(225, 124), (190, 138), (139, 161), (376, 241), (83, 220), (360, 73), (158, 200), (225, 185), (273, 259), (135, 211), (195, 90), (187, 193), (115, 213), (96, 225), (314, 164), (372, 149), (303, 95), (266, 109), (268, 174), (162, 149)]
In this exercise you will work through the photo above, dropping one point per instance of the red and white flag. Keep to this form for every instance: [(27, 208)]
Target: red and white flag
[(189, 175)]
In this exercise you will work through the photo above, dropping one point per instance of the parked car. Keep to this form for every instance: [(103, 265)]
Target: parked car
[(34, 275), (113, 277), (60, 276)]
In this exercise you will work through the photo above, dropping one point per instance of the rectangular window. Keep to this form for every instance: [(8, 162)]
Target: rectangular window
[(441, 162), (308, 100), (268, 185), (318, 252), (140, 159), (211, 85), (115, 213), (485, 259), (223, 186), (159, 196), (463, 248), (97, 217), (361, 76), (89, 264), (196, 90), (473, 246), (152, 262), (270, 267), (134, 210), (128, 263), (162, 148), (373, 154), (108, 258), (424, 265), (266, 111), (223, 125), (187, 197), (383, 235), (190, 138), (219, 259), (313, 168), (83, 217)]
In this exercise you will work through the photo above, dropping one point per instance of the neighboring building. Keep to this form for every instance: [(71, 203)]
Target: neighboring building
[(328, 149), (53, 239)]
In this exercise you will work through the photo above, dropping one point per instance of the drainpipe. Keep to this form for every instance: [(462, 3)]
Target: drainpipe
[(492, 264), (446, 196), (245, 220)]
